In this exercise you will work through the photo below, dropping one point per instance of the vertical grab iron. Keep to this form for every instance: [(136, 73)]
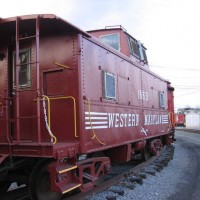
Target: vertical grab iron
[(17, 66), (38, 78)]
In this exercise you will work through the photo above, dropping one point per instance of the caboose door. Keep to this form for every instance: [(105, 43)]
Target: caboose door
[(22, 104)]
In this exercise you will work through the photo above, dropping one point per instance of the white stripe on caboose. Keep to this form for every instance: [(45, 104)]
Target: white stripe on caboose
[(95, 127), (95, 113), (87, 118), (102, 122)]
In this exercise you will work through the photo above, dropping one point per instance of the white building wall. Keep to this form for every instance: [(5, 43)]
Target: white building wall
[(192, 120)]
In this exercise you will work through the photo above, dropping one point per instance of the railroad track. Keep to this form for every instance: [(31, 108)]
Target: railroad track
[(130, 177), (125, 176)]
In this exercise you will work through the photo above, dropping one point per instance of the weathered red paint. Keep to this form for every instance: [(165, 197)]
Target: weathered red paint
[(124, 46), (68, 49), (179, 119), (67, 66)]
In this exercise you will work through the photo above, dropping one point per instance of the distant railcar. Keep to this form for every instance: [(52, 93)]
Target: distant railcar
[(179, 119), (70, 104)]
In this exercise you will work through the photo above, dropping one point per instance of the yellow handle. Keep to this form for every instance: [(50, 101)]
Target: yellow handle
[(94, 134)]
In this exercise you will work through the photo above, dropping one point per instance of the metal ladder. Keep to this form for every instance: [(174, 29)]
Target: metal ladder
[(66, 183), (17, 65)]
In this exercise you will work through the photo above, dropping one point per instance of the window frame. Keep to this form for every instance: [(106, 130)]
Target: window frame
[(28, 85), (161, 100), (141, 50), (105, 95), (130, 40), (144, 55), (119, 47)]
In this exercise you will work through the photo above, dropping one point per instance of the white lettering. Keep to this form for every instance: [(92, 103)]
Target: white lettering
[(121, 121), (111, 117), (125, 119), (117, 120), (143, 95), (155, 119), (137, 120), (147, 98), (133, 120), (129, 119)]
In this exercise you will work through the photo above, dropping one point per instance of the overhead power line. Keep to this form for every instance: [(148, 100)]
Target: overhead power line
[(187, 86), (176, 68), (194, 92)]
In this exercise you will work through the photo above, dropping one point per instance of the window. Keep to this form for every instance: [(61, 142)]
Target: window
[(112, 40), (137, 49), (161, 96), (144, 56), (24, 69), (134, 47), (109, 86)]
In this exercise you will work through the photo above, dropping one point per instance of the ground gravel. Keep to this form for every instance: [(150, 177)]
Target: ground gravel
[(165, 183)]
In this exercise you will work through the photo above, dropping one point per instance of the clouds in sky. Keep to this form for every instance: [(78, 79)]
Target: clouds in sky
[(168, 28)]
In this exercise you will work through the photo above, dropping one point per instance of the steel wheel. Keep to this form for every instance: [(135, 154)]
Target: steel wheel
[(146, 154), (40, 184)]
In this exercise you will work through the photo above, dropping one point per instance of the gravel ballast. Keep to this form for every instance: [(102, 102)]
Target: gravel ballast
[(167, 183)]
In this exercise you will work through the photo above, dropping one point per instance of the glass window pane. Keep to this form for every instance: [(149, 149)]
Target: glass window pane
[(162, 103), (144, 54), (134, 48), (112, 40), (24, 68), (110, 88)]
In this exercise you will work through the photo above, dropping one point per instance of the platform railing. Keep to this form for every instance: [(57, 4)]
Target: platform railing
[(48, 114)]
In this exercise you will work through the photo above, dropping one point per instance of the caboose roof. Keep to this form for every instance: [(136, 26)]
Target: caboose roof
[(114, 28), (48, 23)]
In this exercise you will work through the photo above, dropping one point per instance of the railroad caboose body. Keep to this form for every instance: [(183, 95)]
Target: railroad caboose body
[(70, 104), (179, 119)]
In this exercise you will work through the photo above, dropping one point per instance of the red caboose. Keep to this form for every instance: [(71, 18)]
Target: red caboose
[(70, 104), (179, 119)]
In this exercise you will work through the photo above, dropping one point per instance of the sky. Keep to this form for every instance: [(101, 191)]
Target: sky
[(169, 29)]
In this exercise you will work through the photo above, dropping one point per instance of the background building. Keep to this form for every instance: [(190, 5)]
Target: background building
[(192, 117)]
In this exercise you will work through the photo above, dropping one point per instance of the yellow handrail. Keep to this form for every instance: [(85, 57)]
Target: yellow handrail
[(74, 101), (49, 112), (61, 65), (94, 134)]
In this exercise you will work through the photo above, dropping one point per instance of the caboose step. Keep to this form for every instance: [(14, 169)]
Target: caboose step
[(89, 177), (63, 177), (69, 187), (65, 168)]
